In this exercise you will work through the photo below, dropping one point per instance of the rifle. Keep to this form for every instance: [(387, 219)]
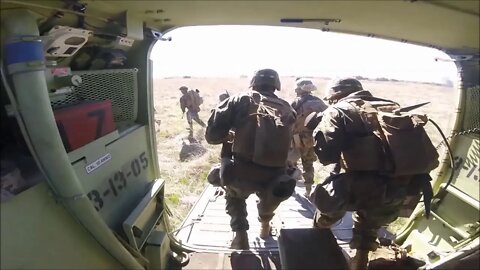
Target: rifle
[(226, 160), (409, 108)]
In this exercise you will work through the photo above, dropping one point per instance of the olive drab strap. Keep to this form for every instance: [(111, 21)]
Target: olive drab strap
[(264, 110)]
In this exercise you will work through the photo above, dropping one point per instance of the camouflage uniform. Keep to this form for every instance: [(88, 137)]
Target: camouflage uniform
[(268, 145), (376, 199), (186, 103), (302, 143), (248, 177)]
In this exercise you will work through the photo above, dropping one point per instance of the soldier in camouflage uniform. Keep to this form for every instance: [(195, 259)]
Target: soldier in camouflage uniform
[(302, 142), (246, 176), (188, 105), (375, 198)]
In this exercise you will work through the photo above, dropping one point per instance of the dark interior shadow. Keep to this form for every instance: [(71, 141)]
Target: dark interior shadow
[(269, 242), (274, 258), (308, 208), (247, 260)]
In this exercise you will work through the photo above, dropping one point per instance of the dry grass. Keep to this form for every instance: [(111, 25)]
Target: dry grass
[(186, 180)]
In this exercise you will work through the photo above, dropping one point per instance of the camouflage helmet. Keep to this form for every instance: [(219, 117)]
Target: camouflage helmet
[(304, 85), (183, 88), (266, 77), (343, 87), (224, 96)]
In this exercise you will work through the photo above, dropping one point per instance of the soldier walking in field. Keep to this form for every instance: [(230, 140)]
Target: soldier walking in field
[(302, 140), (380, 167), (255, 128), (190, 102)]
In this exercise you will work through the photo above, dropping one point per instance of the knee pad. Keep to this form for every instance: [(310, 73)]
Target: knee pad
[(329, 198), (221, 174), (294, 172), (283, 186)]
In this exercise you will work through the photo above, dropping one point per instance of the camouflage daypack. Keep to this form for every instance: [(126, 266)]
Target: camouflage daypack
[(269, 126), (399, 145), (195, 97), (302, 137)]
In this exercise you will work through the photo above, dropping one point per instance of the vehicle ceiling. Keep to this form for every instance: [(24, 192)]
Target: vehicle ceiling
[(444, 24)]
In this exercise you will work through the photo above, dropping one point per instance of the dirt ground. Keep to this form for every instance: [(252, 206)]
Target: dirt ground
[(186, 180)]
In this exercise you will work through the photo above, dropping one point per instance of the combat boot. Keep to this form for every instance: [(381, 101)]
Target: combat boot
[(265, 229), (360, 260), (240, 241), (308, 190)]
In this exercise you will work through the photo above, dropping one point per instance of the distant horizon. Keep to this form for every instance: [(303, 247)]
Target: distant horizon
[(231, 51), (379, 79)]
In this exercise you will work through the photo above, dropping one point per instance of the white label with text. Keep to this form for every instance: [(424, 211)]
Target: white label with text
[(97, 163)]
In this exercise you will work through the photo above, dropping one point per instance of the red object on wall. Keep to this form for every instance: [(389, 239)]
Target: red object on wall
[(83, 123)]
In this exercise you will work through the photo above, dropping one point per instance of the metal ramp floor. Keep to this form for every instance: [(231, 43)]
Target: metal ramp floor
[(207, 230), (207, 227)]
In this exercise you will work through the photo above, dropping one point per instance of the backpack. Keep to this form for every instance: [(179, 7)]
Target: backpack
[(264, 137), (197, 100), (302, 138), (399, 145)]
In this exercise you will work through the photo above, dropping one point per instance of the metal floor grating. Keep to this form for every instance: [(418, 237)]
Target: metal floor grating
[(207, 227)]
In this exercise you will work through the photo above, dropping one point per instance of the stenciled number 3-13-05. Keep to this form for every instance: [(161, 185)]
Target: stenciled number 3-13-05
[(118, 181)]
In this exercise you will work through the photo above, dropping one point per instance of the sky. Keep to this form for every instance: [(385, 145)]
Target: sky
[(225, 51)]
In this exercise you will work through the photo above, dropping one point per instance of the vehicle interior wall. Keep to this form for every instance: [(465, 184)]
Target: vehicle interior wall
[(453, 228), (99, 104)]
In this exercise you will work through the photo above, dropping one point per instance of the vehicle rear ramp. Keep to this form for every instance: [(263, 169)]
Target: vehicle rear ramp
[(207, 230)]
